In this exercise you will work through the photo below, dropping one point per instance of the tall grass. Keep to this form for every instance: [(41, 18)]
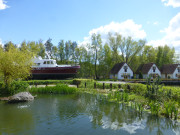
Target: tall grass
[(58, 89)]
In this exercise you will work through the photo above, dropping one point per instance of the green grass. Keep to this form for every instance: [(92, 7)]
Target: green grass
[(58, 89)]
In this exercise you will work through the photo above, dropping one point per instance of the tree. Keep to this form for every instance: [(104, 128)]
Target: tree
[(67, 51), (41, 49), (96, 45), (130, 48), (14, 64), (73, 48), (55, 52), (49, 46), (114, 43), (8, 45), (61, 50)]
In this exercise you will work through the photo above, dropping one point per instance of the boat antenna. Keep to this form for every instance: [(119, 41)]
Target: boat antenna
[(47, 55)]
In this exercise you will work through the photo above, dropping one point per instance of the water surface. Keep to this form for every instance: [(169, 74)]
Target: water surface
[(79, 114)]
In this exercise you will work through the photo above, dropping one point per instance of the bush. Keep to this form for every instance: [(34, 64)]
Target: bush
[(15, 87)]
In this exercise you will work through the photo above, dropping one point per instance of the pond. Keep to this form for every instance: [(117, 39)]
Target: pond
[(79, 114)]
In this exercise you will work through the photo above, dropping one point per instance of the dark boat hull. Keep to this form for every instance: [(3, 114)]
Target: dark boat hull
[(45, 73)]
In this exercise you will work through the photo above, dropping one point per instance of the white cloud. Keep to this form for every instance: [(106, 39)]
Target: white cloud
[(172, 34), (126, 28), (156, 23), (3, 5), (174, 3)]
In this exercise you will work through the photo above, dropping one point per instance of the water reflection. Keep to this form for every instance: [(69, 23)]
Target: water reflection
[(79, 114), (14, 120)]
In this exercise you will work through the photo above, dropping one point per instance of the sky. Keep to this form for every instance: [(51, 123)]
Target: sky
[(156, 21)]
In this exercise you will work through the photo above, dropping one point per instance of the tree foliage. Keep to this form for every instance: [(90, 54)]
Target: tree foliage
[(14, 64)]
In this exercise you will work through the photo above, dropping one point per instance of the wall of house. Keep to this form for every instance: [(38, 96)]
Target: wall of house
[(163, 76), (156, 71), (121, 72), (176, 72)]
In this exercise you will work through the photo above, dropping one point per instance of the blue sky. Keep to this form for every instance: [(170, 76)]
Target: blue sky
[(157, 21)]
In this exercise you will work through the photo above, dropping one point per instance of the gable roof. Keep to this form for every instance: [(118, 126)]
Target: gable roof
[(144, 68), (169, 68), (116, 68)]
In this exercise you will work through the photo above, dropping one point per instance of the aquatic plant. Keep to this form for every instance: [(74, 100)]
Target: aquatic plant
[(155, 107)]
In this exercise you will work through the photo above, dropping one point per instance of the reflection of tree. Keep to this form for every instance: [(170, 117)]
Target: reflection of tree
[(14, 120), (161, 124), (105, 114)]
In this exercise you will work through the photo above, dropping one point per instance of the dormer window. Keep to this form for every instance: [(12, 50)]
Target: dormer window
[(125, 68), (154, 69), (178, 69)]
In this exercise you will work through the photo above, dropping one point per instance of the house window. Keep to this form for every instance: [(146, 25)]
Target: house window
[(125, 68), (179, 69), (154, 69)]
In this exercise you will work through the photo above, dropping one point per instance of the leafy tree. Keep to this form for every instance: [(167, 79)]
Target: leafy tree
[(96, 45), (61, 50), (33, 47), (14, 64), (114, 43), (49, 46), (41, 49), (73, 48), (130, 48), (55, 52), (8, 45), (67, 51)]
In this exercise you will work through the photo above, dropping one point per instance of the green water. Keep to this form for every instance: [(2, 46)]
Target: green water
[(79, 114)]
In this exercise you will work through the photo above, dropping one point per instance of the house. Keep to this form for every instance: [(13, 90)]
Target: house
[(121, 71), (146, 70), (170, 71)]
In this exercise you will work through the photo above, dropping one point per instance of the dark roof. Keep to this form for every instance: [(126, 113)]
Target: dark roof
[(169, 69), (116, 68), (144, 68)]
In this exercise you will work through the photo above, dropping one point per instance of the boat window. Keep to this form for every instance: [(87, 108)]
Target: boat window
[(48, 62), (44, 62), (52, 62)]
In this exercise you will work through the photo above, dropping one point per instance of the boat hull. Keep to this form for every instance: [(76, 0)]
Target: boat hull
[(44, 73)]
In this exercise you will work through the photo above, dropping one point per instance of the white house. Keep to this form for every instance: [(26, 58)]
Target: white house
[(170, 71), (146, 70), (121, 71)]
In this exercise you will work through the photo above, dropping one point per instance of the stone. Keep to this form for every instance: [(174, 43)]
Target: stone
[(21, 97)]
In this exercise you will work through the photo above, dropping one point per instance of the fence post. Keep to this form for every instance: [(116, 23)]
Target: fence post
[(110, 85), (94, 85), (77, 85), (103, 86), (119, 86), (85, 84)]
